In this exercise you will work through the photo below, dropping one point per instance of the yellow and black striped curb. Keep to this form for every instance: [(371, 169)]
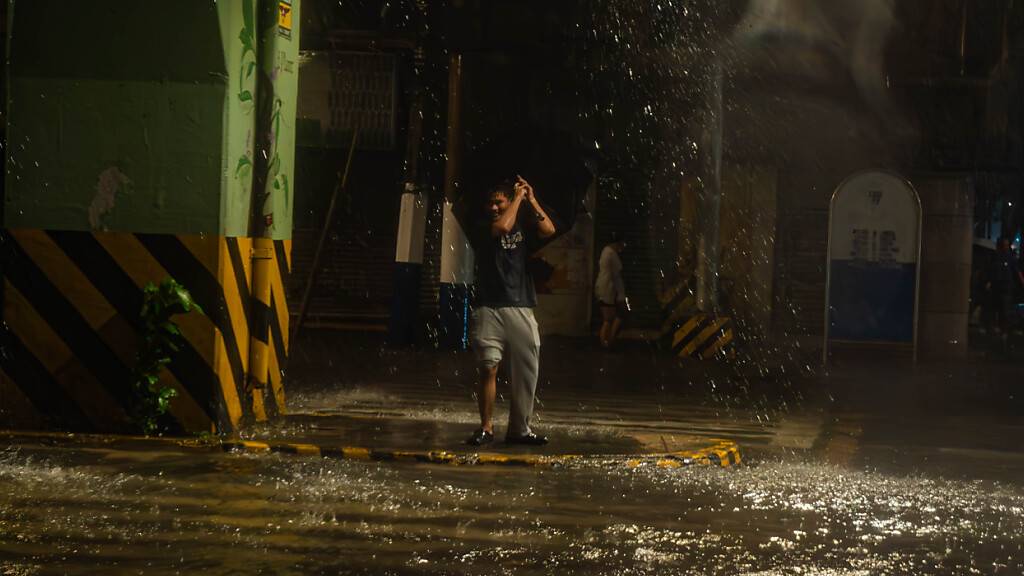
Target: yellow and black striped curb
[(723, 453), (71, 303)]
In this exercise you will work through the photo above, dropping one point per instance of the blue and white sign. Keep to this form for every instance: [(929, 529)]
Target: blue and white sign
[(873, 252)]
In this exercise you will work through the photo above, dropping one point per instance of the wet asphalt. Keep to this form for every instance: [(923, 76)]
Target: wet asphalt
[(869, 467)]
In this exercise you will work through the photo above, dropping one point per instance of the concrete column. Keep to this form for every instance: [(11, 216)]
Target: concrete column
[(943, 309), (151, 177), (710, 200), (456, 278), (274, 161), (412, 221), (456, 253), (412, 224)]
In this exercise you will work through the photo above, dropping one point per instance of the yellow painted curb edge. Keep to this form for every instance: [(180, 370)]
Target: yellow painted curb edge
[(722, 453)]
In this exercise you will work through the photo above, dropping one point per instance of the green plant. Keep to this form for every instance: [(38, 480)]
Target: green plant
[(160, 337)]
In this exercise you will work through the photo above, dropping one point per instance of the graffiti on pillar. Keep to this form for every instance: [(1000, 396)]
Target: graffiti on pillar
[(247, 68), (278, 178), (248, 60), (111, 184), (244, 167)]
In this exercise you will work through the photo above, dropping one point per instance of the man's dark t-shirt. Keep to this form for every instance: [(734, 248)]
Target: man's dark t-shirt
[(502, 277)]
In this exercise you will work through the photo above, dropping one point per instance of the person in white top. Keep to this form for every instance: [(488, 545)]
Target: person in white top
[(610, 291)]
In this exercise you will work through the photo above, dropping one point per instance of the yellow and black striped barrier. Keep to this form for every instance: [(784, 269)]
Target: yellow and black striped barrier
[(71, 303), (703, 336), (677, 303), (690, 333)]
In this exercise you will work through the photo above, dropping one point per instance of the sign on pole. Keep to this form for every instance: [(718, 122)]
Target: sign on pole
[(874, 246)]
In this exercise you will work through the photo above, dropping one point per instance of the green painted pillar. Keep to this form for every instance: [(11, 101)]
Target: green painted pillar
[(239, 32), (132, 134), (276, 93), (277, 98), (132, 116)]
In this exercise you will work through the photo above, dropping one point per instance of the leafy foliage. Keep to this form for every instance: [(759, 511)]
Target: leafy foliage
[(160, 338)]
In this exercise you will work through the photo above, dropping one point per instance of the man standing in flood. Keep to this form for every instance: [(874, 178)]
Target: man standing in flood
[(503, 327)]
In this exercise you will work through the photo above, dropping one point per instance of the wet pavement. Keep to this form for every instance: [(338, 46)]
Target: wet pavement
[(872, 468)]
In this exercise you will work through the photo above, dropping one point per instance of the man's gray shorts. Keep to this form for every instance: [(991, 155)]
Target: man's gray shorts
[(510, 334)]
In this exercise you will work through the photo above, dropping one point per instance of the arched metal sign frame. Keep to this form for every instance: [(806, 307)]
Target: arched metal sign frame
[(828, 256)]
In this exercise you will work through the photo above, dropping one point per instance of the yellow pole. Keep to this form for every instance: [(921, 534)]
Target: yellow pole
[(259, 357)]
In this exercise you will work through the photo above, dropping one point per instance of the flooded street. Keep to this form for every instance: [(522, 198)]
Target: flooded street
[(832, 483), (473, 287), (171, 512)]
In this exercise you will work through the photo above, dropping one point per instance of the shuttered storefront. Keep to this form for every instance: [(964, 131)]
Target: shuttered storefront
[(339, 91)]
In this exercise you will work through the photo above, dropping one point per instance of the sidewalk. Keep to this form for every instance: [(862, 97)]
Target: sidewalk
[(400, 440), (350, 396), (632, 401), (593, 405), (437, 442), (353, 389)]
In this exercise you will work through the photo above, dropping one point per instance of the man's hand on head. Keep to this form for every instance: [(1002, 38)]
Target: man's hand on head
[(524, 187)]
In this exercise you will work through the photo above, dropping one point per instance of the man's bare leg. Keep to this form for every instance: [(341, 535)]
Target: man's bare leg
[(603, 334), (486, 391)]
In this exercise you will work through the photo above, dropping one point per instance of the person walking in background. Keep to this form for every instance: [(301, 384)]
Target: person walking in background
[(610, 290)]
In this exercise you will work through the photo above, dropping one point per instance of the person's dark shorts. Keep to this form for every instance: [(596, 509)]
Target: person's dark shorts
[(610, 312)]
